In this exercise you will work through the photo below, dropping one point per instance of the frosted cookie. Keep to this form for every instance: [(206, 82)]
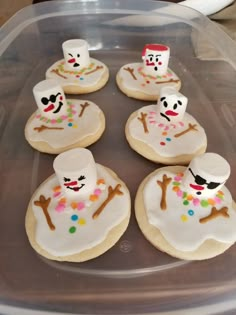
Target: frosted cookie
[(60, 124), (77, 73), (78, 213), (165, 133), (188, 212), (144, 80)]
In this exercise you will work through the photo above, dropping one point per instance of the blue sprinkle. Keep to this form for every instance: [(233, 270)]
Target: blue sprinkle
[(70, 124), (81, 78), (191, 212), (168, 139), (74, 217)]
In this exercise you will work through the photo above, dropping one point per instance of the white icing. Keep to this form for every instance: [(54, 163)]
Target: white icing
[(82, 127), (188, 235), (84, 80), (186, 144), (62, 243), (140, 84)]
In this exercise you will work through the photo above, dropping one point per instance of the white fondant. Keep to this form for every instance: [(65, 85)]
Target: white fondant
[(187, 235), (155, 59), (212, 168), (74, 77), (62, 243), (76, 172), (146, 84), (171, 106), (80, 128), (76, 54), (50, 98), (186, 144)]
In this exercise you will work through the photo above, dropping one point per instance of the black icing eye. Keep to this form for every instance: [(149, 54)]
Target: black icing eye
[(66, 179), (157, 59), (78, 55), (150, 58), (163, 98), (175, 106), (179, 102), (44, 100), (81, 177), (165, 103), (52, 98)]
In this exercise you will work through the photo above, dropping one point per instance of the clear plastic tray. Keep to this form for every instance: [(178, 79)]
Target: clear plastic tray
[(133, 277)]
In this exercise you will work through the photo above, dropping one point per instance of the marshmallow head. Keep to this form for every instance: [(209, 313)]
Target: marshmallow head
[(76, 54), (50, 99), (155, 59), (76, 172), (171, 105), (205, 175)]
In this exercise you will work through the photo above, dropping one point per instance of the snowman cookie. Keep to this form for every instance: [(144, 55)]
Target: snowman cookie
[(78, 213), (77, 73), (188, 212), (144, 80), (165, 133), (60, 124)]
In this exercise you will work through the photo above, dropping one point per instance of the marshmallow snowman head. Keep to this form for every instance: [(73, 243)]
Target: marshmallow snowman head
[(76, 54), (205, 175), (171, 105), (76, 172), (50, 98), (155, 59)]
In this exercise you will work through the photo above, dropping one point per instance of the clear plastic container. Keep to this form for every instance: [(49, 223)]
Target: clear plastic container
[(132, 277)]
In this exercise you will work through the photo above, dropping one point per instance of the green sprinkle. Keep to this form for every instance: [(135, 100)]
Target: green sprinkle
[(70, 115), (186, 202), (72, 229), (184, 194), (176, 183), (59, 120), (204, 203)]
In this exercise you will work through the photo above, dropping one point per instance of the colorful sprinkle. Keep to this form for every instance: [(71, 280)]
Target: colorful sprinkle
[(70, 124), (191, 212), (162, 143), (74, 217), (81, 79), (168, 139), (75, 126), (56, 194), (164, 133), (72, 229), (60, 207), (82, 221), (80, 206), (186, 202), (93, 197), (204, 203), (184, 218)]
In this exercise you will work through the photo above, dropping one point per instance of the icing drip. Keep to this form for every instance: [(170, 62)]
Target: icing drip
[(188, 198)]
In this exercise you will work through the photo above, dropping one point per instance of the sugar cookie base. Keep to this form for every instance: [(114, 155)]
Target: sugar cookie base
[(141, 95), (149, 153), (85, 142), (111, 239), (76, 89), (208, 249)]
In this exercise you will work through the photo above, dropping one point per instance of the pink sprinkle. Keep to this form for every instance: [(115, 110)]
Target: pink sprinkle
[(173, 125), (73, 112), (169, 74), (217, 200), (63, 117), (196, 202), (181, 123), (180, 193), (56, 194), (53, 121), (166, 128), (38, 116), (60, 207), (71, 105), (152, 121), (80, 206), (45, 119), (97, 192), (161, 125), (153, 113), (177, 178)]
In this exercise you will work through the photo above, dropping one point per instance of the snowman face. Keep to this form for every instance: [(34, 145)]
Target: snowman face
[(155, 59), (76, 54), (206, 175), (76, 172), (50, 98), (172, 105)]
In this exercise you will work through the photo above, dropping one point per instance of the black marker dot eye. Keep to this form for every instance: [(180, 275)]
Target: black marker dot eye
[(150, 58), (179, 102), (78, 55), (163, 98), (175, 106), (44, 100), (81, 177), (66, 179), (165, 103), (157, 59)]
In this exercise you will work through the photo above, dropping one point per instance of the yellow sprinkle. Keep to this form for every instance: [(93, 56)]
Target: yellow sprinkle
[(82, 221), (75, 126), (184, 218)]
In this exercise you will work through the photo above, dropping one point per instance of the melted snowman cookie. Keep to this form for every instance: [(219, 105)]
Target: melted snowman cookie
[(144, 80), (77, 73), (165, 133), (188, 212), (61, 124), (80, 212)]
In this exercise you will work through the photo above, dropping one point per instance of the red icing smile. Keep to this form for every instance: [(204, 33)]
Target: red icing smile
[(50, 107), (149, 63), (171, 113), (71, 60), (196, 187)]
